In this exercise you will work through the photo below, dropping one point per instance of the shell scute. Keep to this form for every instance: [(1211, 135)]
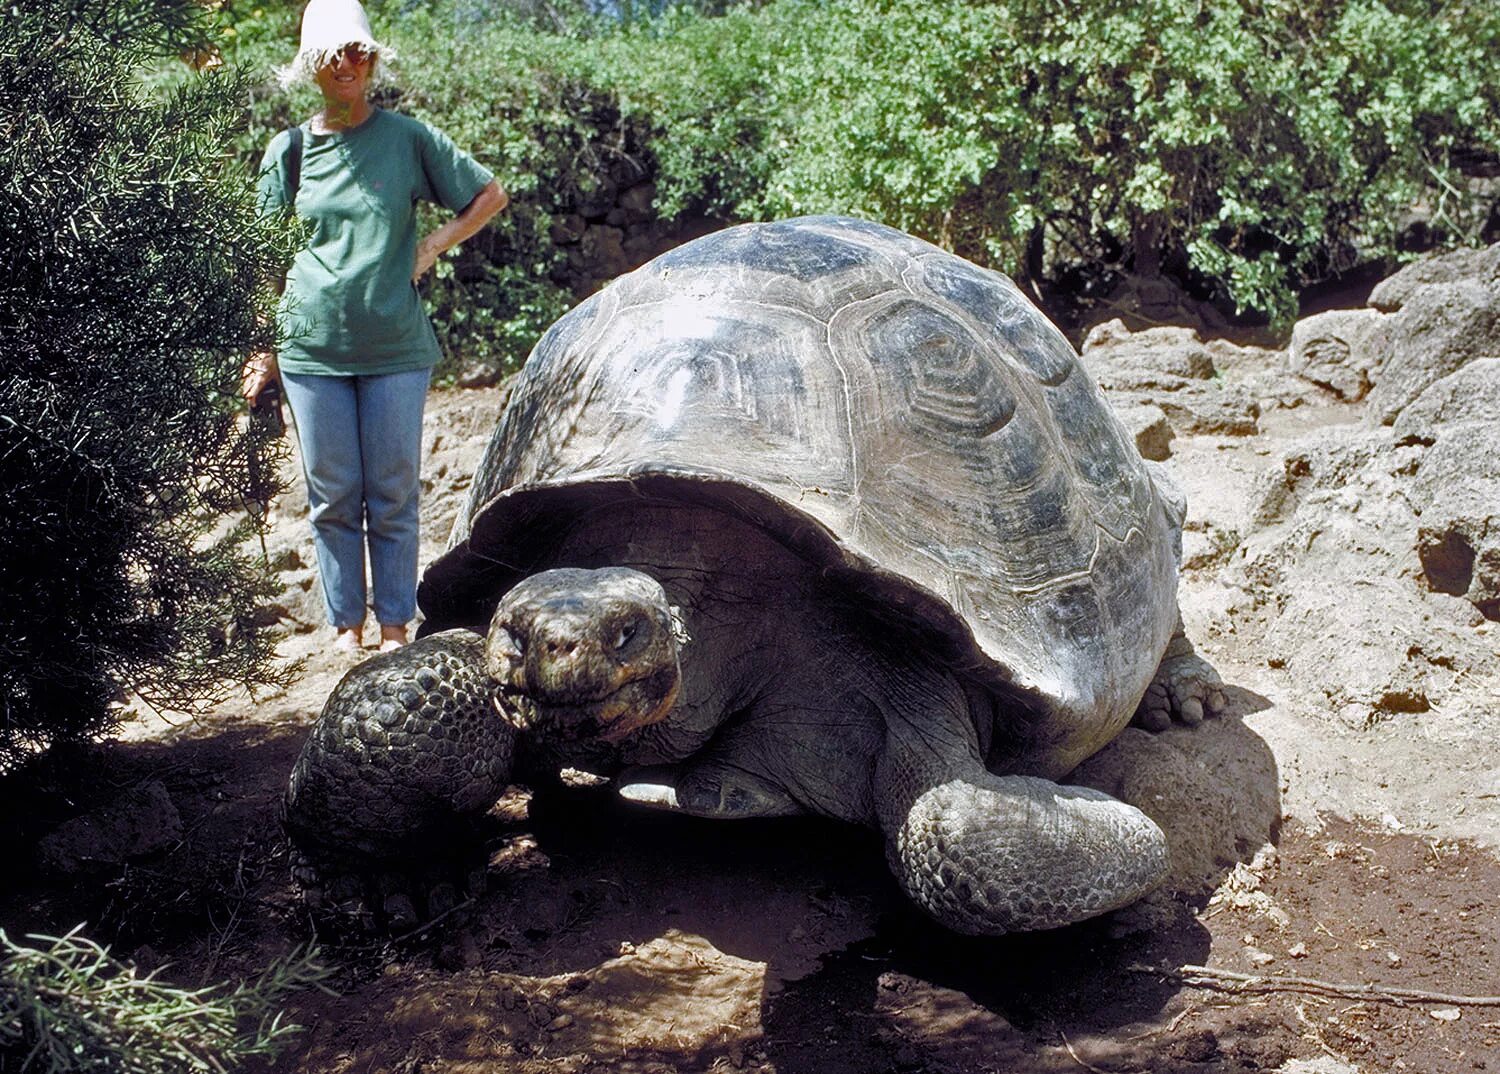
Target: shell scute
[(782, 248)]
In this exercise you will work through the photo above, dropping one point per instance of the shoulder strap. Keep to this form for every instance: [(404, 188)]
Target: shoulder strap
[(293, 165)]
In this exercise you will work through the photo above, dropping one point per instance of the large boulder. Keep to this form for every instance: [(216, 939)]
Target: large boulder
[(1480, 265), (1333, 350), (1438, 329), (1456, 489), (138, 823), (1171, 371), (1328, 561)]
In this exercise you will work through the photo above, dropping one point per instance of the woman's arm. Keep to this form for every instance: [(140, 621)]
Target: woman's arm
[(476, 214)]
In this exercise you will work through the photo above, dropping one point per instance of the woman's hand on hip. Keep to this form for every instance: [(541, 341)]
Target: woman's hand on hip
[(428, 252), (489, 201)]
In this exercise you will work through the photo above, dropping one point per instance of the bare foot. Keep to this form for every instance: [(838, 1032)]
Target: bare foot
[(350, 639), (392, 637)]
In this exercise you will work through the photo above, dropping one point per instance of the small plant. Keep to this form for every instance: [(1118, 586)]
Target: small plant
[(69, 1005)]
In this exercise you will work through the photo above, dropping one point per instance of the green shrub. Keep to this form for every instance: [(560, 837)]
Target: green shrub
[(135, 268), (1253, 147), (69, 1005), (1248, 148)]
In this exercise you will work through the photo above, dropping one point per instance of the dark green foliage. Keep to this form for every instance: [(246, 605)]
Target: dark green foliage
[(1247, 148), (68, 1005), (1250, 147), (135, 267)]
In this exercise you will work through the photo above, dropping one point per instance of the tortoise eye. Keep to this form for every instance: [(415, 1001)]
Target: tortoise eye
[(626, 634)]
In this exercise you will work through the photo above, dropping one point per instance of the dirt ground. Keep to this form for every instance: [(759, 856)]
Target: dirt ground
[(1316, 853)]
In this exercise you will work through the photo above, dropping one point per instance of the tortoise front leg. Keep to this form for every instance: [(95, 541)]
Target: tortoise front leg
[(987, 854), (409, 745)]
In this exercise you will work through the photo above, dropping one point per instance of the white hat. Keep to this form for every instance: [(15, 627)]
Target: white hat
[(327, 27)]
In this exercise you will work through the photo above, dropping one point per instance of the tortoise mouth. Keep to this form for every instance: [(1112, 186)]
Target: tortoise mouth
[(631, 706)]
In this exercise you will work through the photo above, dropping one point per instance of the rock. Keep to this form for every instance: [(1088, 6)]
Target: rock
[(1438, 330), (1147, 301), (567, 228), (1330, 349), (1319, 1064), (1172, 369), (1148, 427), (1456, 488), (638, 203), (480, 375), (1392, 293), (594, 194), (139, 822), (677, 994), (601, 248), (1215, 410), (1173, 788), (1469, 396), (1139, 359), (1328, 556)]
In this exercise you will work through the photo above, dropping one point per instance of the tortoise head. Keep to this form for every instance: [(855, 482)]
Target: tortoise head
[(585, 654)]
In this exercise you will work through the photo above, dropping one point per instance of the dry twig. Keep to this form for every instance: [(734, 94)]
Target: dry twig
[(1229, 981), (1078, 1058)]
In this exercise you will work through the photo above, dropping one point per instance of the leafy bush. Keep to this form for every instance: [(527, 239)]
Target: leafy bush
[(135, 268), (1247, 148), (1251, 147), (69, 1005)]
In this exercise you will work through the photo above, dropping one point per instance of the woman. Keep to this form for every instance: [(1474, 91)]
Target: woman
[(358, 350)]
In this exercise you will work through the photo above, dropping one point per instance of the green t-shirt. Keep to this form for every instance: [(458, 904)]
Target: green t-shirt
[(350, 306)]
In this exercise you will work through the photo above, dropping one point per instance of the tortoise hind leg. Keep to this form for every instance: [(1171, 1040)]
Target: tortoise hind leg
[(1185, 688)]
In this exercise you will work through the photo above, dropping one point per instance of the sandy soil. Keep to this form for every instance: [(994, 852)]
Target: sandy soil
[(1310, 842)]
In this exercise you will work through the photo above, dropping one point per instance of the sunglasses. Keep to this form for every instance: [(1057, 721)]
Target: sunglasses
[(354, 54)]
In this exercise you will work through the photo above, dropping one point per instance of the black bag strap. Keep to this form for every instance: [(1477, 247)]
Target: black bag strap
[(293, 165)]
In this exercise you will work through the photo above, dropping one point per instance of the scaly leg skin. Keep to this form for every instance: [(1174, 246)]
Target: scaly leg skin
[(987, 855), (408, 748), (1185, 688)]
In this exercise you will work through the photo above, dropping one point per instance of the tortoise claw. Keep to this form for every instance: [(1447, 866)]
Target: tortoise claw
[(1186, 690), (348, 901)]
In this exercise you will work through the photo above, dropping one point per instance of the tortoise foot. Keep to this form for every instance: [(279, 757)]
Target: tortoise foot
[(989, 855), (345, 898), (1185, 690)]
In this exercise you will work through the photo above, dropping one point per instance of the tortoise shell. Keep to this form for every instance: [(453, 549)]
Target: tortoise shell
[(905, 420)]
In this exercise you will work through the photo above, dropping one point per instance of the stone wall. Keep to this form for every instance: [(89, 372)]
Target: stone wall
[(613, 228)]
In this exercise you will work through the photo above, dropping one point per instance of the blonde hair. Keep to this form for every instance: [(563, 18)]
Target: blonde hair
[(304, 68)]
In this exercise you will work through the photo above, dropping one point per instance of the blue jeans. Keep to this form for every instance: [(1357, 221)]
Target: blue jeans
[(361, 440)]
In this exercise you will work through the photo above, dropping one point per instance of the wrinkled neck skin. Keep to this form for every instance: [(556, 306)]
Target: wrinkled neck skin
[(767, 641)]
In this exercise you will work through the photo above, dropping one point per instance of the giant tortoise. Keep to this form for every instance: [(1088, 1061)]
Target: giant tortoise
[(806, 517)]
